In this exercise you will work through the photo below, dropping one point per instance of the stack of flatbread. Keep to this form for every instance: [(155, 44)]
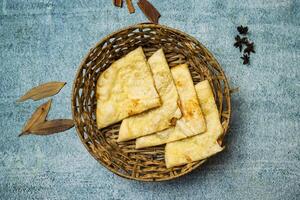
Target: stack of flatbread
[(158, 105)]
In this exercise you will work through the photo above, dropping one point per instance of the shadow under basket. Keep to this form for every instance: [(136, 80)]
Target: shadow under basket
[(122, 158)]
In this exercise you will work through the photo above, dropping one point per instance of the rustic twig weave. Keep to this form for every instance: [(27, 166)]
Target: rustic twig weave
[(122, 158)]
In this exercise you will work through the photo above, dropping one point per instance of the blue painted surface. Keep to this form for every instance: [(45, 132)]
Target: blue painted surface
[(45, 40)]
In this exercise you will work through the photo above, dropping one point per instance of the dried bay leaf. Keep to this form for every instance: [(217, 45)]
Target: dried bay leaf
[(42, 91), (130, 6), (37, 117), (52, 126), (149, 10)]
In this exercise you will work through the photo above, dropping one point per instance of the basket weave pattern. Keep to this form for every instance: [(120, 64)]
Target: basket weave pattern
[(122, 158)]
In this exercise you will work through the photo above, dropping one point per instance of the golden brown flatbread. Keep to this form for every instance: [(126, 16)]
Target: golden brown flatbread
[(201, 146), (125, 88), (192, 121), (159, 118)]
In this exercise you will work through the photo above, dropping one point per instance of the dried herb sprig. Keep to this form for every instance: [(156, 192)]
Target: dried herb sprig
[(241, 42), (250, 48), (242, 30), (246, 59)]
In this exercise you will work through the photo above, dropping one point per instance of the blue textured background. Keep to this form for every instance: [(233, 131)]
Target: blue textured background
[(45, 40)]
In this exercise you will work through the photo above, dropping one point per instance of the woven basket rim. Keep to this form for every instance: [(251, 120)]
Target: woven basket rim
[(136, 26)]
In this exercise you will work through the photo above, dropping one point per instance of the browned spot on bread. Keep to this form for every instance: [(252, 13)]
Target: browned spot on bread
[(189, 114), (130, 112), (188, 158), (135, 102), (97, 95), (173, 121), (190, 108), (178, 84)]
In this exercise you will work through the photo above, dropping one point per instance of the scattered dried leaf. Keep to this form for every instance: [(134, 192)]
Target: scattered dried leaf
[(130, 6), (53, 126), (149, 10), (42, 91), (118, 3), (37, 117)]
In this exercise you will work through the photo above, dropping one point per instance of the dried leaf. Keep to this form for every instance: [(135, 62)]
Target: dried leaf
[(130, 6), (53, 126), (149, 10), (118, 3), (37, 117), (42, 91)]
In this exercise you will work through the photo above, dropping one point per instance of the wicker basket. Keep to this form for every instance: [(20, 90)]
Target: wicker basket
[(123, 159)]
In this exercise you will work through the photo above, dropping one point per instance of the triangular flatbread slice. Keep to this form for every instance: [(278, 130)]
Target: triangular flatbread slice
[(201, 146), (159, 118), (192, 121), (125, 88)]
